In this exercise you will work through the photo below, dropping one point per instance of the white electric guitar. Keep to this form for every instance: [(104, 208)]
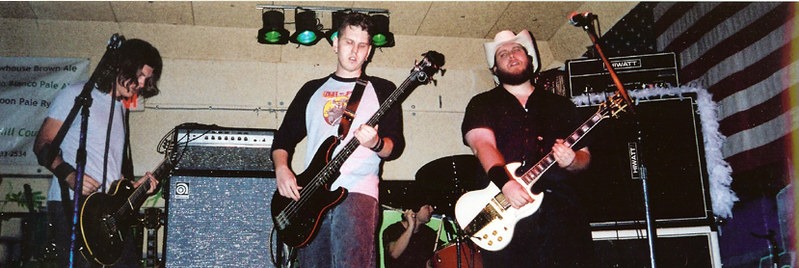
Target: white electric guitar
[(487, 217)]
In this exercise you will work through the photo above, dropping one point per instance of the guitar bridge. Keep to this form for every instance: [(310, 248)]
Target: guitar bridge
[(486, 216)]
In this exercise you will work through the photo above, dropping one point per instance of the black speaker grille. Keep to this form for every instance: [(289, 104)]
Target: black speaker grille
[(673, 152)]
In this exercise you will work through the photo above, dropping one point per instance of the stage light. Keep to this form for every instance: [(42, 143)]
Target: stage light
[(307, 28), (382, 37), (338, 16), (273, 32)]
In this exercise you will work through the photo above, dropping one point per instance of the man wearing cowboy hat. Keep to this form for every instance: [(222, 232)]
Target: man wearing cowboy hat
[(519, 121)]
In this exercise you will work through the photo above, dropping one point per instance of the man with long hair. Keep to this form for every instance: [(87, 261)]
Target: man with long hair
[(138, 66)]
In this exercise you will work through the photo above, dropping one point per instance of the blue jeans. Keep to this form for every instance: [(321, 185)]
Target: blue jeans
[(346, 237)]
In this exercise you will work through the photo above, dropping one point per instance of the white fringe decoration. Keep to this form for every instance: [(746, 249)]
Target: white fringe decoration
[(722, 197)]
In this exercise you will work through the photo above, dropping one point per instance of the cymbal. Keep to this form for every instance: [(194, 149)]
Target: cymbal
[(444, 180), (454, 172)]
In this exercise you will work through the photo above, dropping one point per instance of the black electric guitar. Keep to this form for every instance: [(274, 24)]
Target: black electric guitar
[(489, 219), (298, 221), (104, 218)]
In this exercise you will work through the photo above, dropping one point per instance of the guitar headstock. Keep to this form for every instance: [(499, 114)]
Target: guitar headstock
[(429, 66), (614, 106), (115, 41)]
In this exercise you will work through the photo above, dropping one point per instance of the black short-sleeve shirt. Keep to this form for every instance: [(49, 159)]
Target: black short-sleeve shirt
[(524, 134)]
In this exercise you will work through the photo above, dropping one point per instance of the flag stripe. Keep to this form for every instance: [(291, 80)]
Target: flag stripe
[(711, 39), (760, 156), (668, 14), (760, 135), (682, 24), (710, 20), (756, 115), (753, 74), (735, 43)]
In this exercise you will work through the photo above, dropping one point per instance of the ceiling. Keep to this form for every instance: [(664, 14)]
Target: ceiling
[(470, 19)]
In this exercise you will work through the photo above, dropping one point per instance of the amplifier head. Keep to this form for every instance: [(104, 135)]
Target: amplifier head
[(212, 148)]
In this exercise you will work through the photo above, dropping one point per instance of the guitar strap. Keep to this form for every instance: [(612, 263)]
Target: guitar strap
[(352, 107), (127, 156)]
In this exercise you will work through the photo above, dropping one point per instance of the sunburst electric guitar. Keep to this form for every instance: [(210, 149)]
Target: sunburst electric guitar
[(298, 221), (487, 217), (104, 218)]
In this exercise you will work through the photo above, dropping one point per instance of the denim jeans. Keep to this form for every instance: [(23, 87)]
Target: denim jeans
[(346, 237)]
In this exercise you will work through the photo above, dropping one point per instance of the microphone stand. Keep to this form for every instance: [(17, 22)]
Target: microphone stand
[(650, 229), (82, 103), (457, 233)]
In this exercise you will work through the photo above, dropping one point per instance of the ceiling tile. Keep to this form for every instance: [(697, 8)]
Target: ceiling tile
[(227, 14), (543, 19), (172, 12), (16, 10), (457, 19), (73, 10)]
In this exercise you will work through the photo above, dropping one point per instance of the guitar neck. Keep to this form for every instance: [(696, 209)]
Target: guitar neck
[(532, 175), (159, 173)]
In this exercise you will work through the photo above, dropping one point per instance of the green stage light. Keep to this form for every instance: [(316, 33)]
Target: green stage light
[(381, 36), (307, 28), (273, 31), (338, 16)]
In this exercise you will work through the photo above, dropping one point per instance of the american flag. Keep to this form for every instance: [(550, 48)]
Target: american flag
[(745, 54)]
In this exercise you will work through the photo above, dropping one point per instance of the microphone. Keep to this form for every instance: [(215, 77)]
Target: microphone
[(581, 19)]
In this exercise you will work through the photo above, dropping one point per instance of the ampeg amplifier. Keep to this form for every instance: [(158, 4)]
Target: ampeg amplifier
[(218, 221), (635, 72), (203, 149)]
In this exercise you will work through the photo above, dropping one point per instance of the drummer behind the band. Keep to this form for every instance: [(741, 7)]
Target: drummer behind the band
[(410, 242)]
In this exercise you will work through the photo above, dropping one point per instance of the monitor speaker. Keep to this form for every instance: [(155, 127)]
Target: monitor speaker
[(215, 221)]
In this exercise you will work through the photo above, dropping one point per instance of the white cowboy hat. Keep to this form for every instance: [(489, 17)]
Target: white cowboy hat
[(523, 38)]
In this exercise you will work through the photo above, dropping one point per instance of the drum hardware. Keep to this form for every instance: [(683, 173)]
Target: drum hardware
[(440, 183), (462, 251), (153, 220)]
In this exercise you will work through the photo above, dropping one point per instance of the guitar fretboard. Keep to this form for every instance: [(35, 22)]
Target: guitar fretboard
[(139, 195), (532, 175)]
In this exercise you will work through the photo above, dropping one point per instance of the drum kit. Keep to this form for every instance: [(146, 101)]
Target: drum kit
[(440, 183)]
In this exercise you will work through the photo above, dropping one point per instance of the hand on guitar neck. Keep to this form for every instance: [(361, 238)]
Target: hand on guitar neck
[(104, 219), (153, 182)]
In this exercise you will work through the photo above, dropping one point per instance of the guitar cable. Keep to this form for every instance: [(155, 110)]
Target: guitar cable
[(286, 257)]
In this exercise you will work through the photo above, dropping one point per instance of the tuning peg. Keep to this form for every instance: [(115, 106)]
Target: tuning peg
[(442, 71), (435, 82)]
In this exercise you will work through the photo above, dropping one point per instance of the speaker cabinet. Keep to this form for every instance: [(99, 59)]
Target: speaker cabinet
[(218, 221), (674, 247), (672, 150)]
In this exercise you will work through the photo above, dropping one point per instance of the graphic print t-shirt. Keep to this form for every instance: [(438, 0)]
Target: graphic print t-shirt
[(323, 115)]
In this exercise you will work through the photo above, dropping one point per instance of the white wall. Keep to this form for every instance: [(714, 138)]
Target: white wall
[(227, 68)]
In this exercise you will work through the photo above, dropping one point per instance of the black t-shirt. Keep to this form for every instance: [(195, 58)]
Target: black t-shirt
[(419, 250), (524, 135), (558, 234)]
